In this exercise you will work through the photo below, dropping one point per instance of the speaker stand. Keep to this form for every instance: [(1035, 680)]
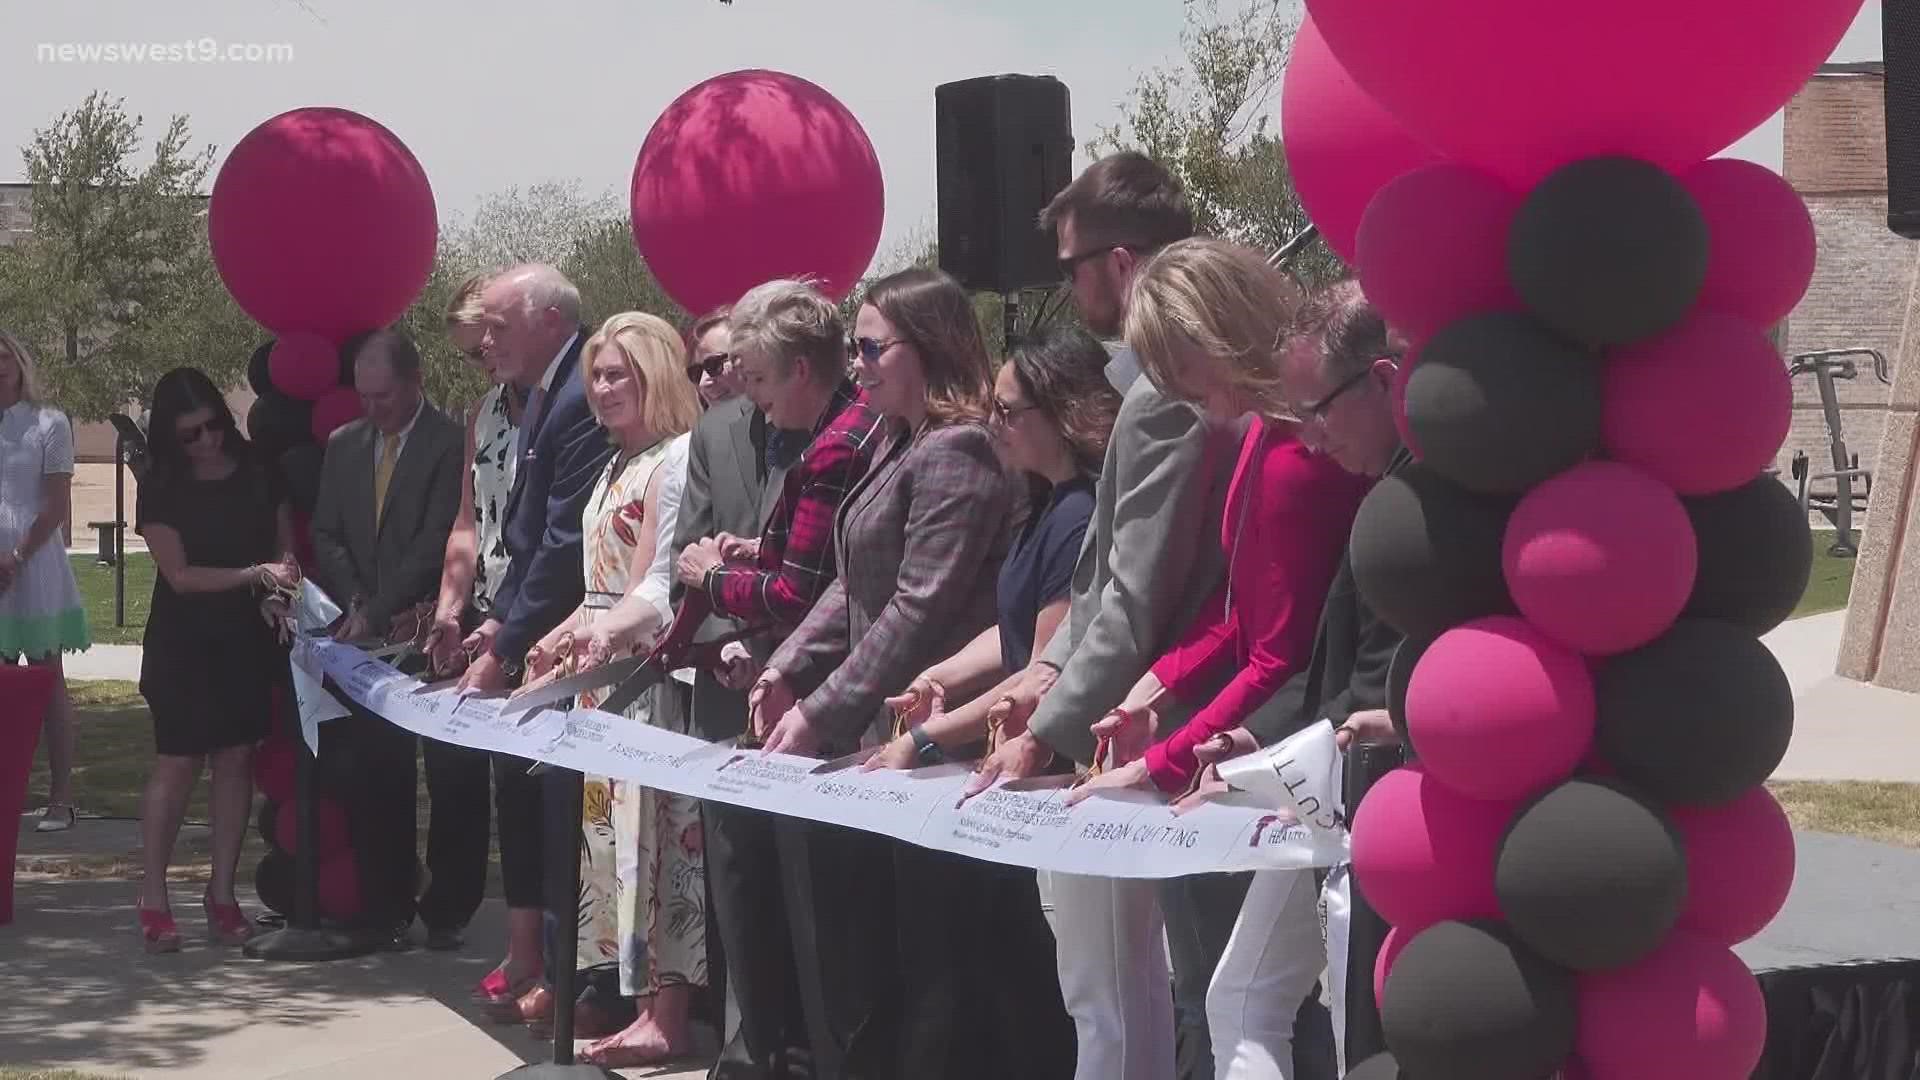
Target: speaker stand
[(1009, 322)]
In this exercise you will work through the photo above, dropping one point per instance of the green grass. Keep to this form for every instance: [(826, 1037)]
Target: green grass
[(1832, 579), (96, 592), (113, 737), (1889, 813)]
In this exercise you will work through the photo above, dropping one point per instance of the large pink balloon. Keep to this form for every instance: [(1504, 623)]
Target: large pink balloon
[(751, 176), (1740, 860), (1702, 408), (1423, 854), (1761, 243), (1689, 1011), (303, 365), (1601, 557), (1432, 248), (1522, 87), (1341, 146), (1499, 710), (321, 220)]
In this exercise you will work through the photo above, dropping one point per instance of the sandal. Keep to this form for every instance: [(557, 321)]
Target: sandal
[(226, 924), (498, 989), (58, 818), (158, 932)]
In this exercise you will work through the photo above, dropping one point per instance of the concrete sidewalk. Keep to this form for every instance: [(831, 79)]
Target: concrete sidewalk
[(81, 994)]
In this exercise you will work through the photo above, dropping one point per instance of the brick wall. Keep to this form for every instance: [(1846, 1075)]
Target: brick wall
[(1835, 156)]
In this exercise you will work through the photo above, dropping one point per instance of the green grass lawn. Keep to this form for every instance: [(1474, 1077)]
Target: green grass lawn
[(96, 592), (1831, 581)]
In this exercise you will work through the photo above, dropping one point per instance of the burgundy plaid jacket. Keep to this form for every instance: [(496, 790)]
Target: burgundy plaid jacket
[(921, 542), (796, 559)]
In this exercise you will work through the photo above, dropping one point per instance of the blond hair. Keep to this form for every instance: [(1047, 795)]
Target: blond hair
[(464, 307), (656, 357), (786, 319), (29, 381), (1220, 299)]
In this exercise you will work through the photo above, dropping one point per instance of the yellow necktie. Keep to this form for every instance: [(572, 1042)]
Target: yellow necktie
[(383, 474)]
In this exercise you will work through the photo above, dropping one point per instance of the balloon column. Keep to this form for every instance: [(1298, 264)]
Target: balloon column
[(752, 176), (322, 226), (1588, 548)]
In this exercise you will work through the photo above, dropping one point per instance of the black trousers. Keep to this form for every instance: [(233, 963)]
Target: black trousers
[(458, 793), (838, 885), (979, 995), (1200, 911), (747, 914), (520, 817), (370, 762)]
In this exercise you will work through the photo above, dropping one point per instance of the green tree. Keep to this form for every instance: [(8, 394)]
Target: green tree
[(116, 284), (1208, 119)]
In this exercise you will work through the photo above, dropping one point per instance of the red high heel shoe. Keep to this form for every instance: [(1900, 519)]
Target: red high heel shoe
[(226, 925), (158, 932)]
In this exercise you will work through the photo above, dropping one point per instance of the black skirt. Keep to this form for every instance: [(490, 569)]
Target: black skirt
[(209, 694)]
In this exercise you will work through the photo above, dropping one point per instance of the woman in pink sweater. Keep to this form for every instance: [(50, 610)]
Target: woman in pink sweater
[(1201, 335)]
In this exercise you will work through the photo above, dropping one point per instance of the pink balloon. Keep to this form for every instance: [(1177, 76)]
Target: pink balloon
[(1702, 408), (1601, 557), (1689, 1011), (339, 886), (1499, 710), (1740, 860), (1390, 948), (322, 220), (1423, 854), (1341, 146), (333, 410), (1521, 87), (329, 826), (303, 365), (751, 176), (1432, 248), (1761, 243)]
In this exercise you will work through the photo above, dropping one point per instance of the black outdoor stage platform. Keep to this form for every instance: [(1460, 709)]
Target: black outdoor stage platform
[(1840, 967)]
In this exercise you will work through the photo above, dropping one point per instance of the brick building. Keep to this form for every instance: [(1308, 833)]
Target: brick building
[(1835, 156)]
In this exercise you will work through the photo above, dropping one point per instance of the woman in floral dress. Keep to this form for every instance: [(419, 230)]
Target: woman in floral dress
[(642, 894)]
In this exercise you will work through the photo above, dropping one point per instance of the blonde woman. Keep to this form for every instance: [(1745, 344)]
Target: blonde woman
[(643, 874), (40, 612)]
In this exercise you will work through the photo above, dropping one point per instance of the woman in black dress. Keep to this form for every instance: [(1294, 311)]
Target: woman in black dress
[(220, 529)]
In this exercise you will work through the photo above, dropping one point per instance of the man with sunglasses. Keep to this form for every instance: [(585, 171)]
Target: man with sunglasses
[(710, 368)]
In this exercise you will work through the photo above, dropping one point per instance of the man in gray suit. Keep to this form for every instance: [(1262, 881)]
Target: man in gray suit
[(1149, 562), (389, 491)]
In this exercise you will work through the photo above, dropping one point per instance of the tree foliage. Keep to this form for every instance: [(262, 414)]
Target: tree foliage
[(116, 284), (1208, 118)]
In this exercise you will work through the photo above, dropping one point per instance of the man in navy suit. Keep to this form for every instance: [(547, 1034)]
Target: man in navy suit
[(532, 338)]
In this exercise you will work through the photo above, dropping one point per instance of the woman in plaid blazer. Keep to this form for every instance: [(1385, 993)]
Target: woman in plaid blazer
[(921, 540)]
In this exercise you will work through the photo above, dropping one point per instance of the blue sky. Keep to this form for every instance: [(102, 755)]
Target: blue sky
[(490, 93)]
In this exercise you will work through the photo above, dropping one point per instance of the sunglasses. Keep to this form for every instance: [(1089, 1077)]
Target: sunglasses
[(1070, 266), (712, 365), (869, 349), (190, 435)]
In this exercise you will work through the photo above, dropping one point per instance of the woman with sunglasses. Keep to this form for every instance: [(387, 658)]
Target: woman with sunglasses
[(1053, 410), (898, 929), (220, 528)]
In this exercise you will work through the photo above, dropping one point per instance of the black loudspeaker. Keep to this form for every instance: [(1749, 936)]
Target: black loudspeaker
[(1900, 41), (1004, 149)]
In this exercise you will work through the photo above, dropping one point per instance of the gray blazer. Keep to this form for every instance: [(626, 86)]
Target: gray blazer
[(1150, 559), (397, 564), (727, 491)]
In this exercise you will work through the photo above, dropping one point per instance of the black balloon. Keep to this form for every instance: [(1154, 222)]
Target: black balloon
[(1380, 1066), (1468, 1001), (1591, 876), (1608, 250), (1498, 404), (277, 423), (1399, 677), (1698, 716), (301, 468), (1426, 554), (257, 376), (1756, 554)]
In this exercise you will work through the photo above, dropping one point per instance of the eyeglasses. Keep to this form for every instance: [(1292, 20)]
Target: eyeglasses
[(1316, 412), (1070, 266), (190, 435), (1006, 413), (869, 349), (713, 365)]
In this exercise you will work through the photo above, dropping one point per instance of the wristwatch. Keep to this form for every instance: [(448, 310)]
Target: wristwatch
[(512, 669), (924, 748)]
